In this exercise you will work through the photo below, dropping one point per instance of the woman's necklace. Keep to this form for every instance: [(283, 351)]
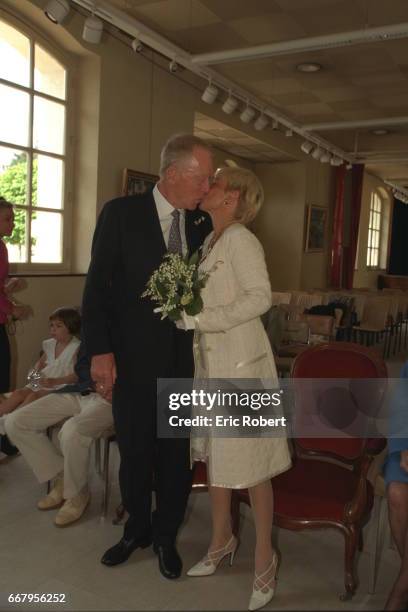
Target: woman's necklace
[(214, 241)]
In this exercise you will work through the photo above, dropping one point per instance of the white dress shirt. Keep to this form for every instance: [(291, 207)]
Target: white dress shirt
[(164, 210)]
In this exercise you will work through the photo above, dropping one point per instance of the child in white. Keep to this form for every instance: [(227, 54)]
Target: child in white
[(56, 364)]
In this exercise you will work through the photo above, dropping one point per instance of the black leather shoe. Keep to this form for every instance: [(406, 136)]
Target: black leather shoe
[(123, 549), (170, 563)]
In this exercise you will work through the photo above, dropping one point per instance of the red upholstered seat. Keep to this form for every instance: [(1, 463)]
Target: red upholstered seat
[(321, 490)]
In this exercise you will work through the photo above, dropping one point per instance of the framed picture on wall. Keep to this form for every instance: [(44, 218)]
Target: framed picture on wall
[(137, 183), (315, 228)]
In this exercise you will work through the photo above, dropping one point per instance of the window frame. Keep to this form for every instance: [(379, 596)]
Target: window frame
[(371, 231), (67, 155)]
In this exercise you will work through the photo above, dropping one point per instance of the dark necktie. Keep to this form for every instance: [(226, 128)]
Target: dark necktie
[(175, 244)]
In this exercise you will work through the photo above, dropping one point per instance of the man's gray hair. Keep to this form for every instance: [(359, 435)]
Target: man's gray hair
[(179, 148), (4, 204)]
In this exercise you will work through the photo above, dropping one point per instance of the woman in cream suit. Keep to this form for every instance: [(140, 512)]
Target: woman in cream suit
[(230, 342)]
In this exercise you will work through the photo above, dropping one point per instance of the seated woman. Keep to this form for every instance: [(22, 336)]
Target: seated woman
[(396, 478), (56, 365)]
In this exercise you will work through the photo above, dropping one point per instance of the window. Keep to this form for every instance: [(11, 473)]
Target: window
[(32, 146), (374, 231)]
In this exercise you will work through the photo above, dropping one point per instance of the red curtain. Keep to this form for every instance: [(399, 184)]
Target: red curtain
[(335, 275), (356, 192)]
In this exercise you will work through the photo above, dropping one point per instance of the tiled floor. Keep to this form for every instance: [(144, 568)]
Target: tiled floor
[(37, 557)]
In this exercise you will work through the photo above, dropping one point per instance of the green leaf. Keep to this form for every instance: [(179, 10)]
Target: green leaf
[(174, 315), (195, 306), (194, 259)]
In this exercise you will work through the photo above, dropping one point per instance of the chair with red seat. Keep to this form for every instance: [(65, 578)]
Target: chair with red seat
[(327, 486)]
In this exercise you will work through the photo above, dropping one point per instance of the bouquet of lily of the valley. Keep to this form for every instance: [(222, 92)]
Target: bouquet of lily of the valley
[(176, 285)]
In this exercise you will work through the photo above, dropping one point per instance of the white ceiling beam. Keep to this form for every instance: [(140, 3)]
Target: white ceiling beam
[(362, 123), (303, 45)]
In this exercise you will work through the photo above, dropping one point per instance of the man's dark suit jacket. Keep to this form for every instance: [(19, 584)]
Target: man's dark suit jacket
[(128, 246)]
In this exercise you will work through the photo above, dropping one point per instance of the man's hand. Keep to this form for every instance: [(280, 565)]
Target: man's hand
[(103, 373), (404, 460)]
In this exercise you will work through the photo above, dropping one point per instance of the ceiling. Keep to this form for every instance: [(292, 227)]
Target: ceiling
[(356, 83)]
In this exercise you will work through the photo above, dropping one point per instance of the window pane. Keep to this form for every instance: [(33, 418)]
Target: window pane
[(46, 237), (13, 175), (47, 181), (15, 55), (369, 237), (49, 125), (17, 243), (368, 256), (14, 106), (376, 242), (49, 75)]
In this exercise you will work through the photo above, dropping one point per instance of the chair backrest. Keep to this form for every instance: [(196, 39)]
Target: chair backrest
[(274, 326), (376, 311), (296, 332), (280, 298), (320, 325), (341, 360)]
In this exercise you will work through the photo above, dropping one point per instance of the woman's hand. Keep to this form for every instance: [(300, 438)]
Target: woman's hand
[(20, 311), (404, 460), (186, 322), (13, 284), (49, 383)]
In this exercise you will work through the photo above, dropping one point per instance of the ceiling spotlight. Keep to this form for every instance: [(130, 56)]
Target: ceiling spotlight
[(261, 122), (137, 45), (247, 114), (210, 93), (317, 153), (93, 28), (336, 161), (307, 147), (325, 158), (173, 66), (308, 67), (57, 10), (275, 125), (349, 166), (230, 104), (289, 133)]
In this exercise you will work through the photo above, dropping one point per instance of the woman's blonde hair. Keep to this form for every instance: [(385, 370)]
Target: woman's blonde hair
[(251, 193)]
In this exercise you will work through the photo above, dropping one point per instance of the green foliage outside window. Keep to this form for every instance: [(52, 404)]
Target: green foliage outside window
[(13, 187)]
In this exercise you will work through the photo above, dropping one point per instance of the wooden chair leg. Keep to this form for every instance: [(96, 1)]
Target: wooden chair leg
[(376, 537), (351, 537)]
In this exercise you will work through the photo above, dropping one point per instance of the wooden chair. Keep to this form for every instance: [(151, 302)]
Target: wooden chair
[(374, 324), (280, 298), (327, 486)]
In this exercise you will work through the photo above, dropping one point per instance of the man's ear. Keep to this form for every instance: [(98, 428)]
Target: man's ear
[(171, 173)]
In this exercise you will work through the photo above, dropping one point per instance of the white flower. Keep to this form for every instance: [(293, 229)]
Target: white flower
[(199, 220)]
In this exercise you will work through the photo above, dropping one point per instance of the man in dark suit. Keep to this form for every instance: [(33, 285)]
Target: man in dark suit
[(131, 346)]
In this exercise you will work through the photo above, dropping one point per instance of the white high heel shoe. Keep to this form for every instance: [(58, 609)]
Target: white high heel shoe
[(263, 590), (208, 565)]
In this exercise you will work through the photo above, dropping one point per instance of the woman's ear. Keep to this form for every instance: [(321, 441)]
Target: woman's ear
[(232, 197)]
